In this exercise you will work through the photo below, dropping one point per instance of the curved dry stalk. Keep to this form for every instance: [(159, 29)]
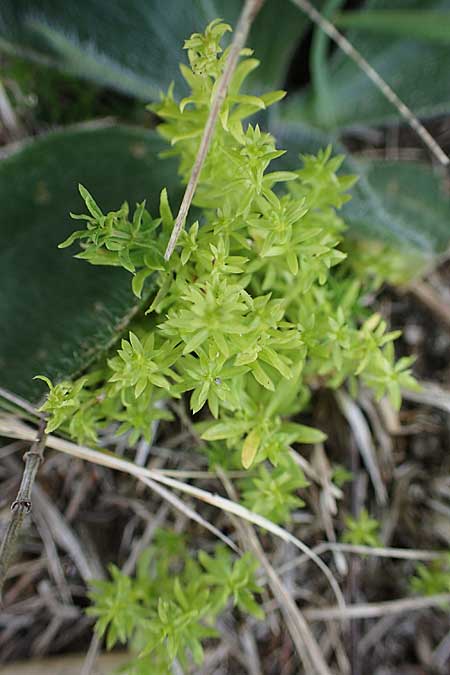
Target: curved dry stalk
[(21, 403), (371, 610), (249, 11), (191, 513), (375, 551), (14, 428), (377, 80), (364, 442), (431, 394)]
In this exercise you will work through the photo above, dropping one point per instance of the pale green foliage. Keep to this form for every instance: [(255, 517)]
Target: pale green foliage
[(388, 375), (433, 578), (273, 493), (231, 581), (341, 475), (362, 531), (255, 306), (114, 239), (140, 365), (168, 608), (63, 401), (86, 406), (379, 262)]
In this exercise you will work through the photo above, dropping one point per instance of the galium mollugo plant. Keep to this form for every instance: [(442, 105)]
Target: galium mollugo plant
[(259, 305)]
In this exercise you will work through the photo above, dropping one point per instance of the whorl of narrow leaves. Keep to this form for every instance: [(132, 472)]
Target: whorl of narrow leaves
[(168, 608), (362, 531), (258, 304)]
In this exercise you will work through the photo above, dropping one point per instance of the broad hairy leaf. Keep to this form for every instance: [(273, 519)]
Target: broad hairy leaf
[(403, 202), (341, 96), (57, 312), (418, 24), (416, 69), (135, 46)]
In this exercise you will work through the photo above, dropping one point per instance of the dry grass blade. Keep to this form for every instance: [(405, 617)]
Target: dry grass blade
[(189, 512), (382, 552), (54, 563), (441, 654), (251, 652), (91, 658), (375, 551), (363, 438), (327, 502), (66, 665), (14, 428), (430, 394), (249, 11), (372, 74), (21, 403), (65, 537), (370, 610)]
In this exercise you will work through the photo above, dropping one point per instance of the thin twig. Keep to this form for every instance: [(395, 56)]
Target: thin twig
[(19, 402), (377, 80), (249, 12), (22, 504), (375, 551), (191, 513), (364, 441), (374, 609), (430, 394), (92, 655)]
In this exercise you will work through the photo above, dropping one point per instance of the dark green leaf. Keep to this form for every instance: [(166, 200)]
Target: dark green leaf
[(416, 70), (417, 24), (135, 46), (407, 200), (59, 312)]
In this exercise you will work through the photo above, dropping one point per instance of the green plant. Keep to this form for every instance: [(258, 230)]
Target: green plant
[(168, 609), (395, 202), (433, 578), (273, 493), (258, 306), (341, 475), (362, 531), (233, 325)]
